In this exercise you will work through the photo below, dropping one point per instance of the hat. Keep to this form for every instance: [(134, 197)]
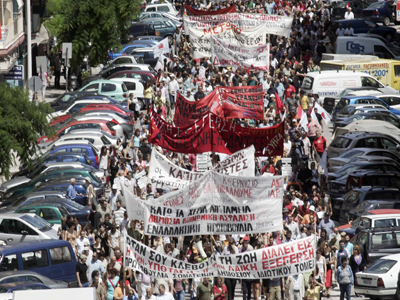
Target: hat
[(285, 210), (343, 233), (86, 243), (332, 236), (115, 186), (83, 256), (312, 208), (175, 56), (88, 179), (272, 96), (246, 238)]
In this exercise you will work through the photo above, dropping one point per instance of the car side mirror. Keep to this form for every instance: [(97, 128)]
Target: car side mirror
[(24, 232)]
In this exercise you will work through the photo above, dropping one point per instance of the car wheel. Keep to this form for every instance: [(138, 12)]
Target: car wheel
[(386, 21), (389, 37), (398, 294)]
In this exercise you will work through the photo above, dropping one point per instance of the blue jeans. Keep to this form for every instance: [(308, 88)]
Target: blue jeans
[(180, 295), (86, 284), (345, 288)]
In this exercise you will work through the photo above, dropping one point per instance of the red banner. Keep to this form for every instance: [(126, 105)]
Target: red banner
[(196, 12), (212, 133), (225, 102)]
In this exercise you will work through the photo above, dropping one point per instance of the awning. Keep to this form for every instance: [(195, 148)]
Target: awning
[(41, 36)]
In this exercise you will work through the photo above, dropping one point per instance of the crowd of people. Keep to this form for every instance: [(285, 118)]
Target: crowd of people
[(307, 208)]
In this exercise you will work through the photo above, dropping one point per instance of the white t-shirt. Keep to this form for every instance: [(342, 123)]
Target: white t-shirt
[(349, 15), (340, 32), (349, 31), (80, 244)]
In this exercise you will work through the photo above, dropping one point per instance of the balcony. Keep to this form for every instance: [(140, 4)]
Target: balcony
[(12, 35)]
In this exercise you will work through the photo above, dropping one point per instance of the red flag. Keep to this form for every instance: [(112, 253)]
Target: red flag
[(299, 112), (279, 104)]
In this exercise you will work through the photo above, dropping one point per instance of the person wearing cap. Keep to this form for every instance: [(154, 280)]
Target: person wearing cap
[(327, 224), (90, 194), (81, 270), (348, 15)]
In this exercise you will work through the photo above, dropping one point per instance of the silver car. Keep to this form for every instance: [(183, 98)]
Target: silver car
[(29, 276), (17, 228)]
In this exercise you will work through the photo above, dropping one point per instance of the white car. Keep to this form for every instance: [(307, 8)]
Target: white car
[(134, 86), (110, 137), (17, 228), (379, 280), (391, 100), (164, 7), (74, 107)]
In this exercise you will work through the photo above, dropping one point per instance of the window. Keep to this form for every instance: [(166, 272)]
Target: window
[(397, 71), (92, 87), (77, 107), (135, 76), (151, 9), (124, 88), (92, 126), (363, 101), (60, 255), (35, 259), (60, 151), (341, 142), (388, 144), (384, 51), (17, 227), (105, 140), (369, 24), (130, 85), (48, 214), (168, 24), (123, 60), (78, 150), (30, 278), (9, 263), (385, 241), (368, 81), (368, 143), (381, 266), (69, 159), (163, 8), (384, 154), (385, 223), (352, 154), (108, 87)]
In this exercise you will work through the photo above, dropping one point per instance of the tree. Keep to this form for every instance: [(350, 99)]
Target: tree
[(21, 123), (93, 26)]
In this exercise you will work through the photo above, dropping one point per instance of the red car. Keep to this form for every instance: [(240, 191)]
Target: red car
[(146, 76), (107, 126), (95, 107)]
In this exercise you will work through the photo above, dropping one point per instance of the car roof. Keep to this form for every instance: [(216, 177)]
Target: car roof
[(10, 285), (87, 121), (41, 204), (89, 101), (75, 134), (64, 163), (385, 211), (382, 229), (367, 173), (102, 81), (152, 20), (134, 65), (359, 97), (355, 134), (392, 257), (13, 216), (23, 245), (361, 88), (66, 153), (74, 142), (128, 80), (374, 157), (377, 109)]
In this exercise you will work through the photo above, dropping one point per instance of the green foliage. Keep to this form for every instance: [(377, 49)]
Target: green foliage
[(99, 23), (21, 123)]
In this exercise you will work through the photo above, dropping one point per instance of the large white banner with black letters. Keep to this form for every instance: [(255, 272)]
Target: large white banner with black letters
[(200, 39), (163, 173), (277, 261), (273, 24), (228, 54)]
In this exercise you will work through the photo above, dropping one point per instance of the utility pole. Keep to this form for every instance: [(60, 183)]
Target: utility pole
[(28, 38)]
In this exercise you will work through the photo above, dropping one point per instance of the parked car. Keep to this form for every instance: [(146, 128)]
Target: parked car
[(43, 178), (341, 7), (121, 60), (17, 228), (336, 163), (379, 281), (116, 53), (7, 205), (113, 89), (43, 169), (164, 26), (380, 12), (372, 219), (352, 109), (9, 288), (75, 107), (148, 37), (331, 101), (361, 139), (110, 137), (67, 98), (135, 86), (367, 26), (29, 276), (112, 70), (378, 114), (392, 100), (161, 15), (54, 259), (374, 159), (368, 205), (164, 7), (141, 29), (146, 76), (358, 195)]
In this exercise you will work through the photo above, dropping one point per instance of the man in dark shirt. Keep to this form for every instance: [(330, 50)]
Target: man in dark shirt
[(144, 149), (304, 177), (292, 104), (81, 272), (236, 79), (200, 94)]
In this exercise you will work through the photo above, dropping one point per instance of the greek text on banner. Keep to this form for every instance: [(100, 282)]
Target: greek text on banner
[(277, 261), (165, 174)]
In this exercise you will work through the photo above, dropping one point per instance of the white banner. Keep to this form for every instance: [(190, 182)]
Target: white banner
[(200, 39), (252, 217), (203, 162), (273, 24), (165, 174), (277, 261), (227, 54)]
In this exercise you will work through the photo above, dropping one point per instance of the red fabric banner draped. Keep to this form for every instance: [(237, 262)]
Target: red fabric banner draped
[(279, 104), (212, 133), (196, 12), (225, 102)]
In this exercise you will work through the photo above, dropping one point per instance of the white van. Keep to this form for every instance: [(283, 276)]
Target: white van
[(164, 7), (363, 45), (331, 83)]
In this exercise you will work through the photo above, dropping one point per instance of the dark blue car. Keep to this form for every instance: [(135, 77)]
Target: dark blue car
[(126, 50), (367, 26), (380, 12)]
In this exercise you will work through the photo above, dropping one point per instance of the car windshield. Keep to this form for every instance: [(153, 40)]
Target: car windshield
[(97, 179), (347, 110), (74, 205), (376, 5), (381, 266), (17, 203), (365, 206), (351, 154), (341, 142), (345, 92), (358, 118), (37, 171), (346, 169), (37, 222), (385, 240)]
